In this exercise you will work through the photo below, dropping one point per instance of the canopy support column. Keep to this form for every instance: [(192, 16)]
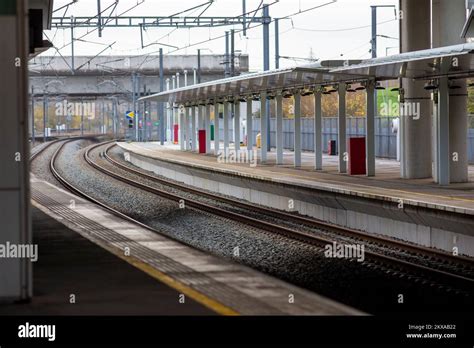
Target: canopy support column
[(318, 133), (237, 127), (263, 127), (216, 129), (370, 128), (207, 127), (279, 128), (342, 129), (297, 144)]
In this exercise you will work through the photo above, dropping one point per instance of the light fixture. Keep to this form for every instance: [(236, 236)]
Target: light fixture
[(379, 87), (430, 85), (395, 89), (307, 91), (242, 99), (286, 94), (360, 88), (256, 97), (350, 89)]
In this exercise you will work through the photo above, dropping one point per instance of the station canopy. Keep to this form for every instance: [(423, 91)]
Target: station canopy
[(423, 65)]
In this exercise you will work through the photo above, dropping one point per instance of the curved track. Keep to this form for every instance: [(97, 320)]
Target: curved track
[(376, 259)]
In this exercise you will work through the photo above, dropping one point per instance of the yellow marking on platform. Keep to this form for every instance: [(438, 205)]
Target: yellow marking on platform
[(197, 296)]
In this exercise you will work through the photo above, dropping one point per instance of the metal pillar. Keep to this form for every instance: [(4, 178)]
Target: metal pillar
[(443, 133), (342, 129), (318, 131), (72, 45), (15, 273), (226, 63), (297, 144), (45, 116), (161, 106), (266, 66), (82, 117), (277, 44), (232, 52), (33, 115), (237, 127), (189, 136), (279, 128), (226, 127), (370, 129), (207, 127), (193, 129), (249, 124), (182, 145), (216, 129), (374, 31), (415, 130), (263, 126), (447, 22)]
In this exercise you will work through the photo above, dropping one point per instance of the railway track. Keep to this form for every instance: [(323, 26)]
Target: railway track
[(377, 259)]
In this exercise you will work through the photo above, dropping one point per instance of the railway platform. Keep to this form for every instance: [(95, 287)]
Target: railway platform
[(110, 266), (417, 211)]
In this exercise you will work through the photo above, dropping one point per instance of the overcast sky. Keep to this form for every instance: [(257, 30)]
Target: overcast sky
[(337, 29)]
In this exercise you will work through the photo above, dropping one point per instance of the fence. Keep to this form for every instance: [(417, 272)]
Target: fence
[(385, 139)]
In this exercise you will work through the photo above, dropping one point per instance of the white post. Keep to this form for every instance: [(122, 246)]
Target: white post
[(237, 126), (181, 128), (193, 128), (279, 128), (263, 127), (370, 129), (226, 127), (216, 129), (318, 131), (207, 127), (250, 141), (297, 145), (342, 129)]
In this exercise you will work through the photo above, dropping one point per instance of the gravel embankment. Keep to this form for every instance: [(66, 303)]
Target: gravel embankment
[(353, 283)]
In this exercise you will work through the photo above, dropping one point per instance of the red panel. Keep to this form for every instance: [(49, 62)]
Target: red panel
[(357, 156), (176, 133), (202, 141)]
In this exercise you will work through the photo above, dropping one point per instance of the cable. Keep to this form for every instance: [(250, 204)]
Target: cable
[(343, 29)]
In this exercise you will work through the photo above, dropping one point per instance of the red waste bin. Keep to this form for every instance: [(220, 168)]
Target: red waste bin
[(176, 133), (357, 156), (202, 140)]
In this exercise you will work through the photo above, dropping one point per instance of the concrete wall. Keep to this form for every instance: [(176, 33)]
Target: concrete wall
[(428, 227)]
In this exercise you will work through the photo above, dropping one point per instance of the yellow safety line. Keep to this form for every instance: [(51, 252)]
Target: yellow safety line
[(197, 296)]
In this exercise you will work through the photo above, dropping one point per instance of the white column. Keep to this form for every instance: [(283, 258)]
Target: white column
[(193, 129), (250, 140), (263, 127), (188, 129), (370, 129), (181, 129), (237, 126), (443, 133), (226, 127), (318, 131), (342, 129), (216, 129), (297, 133), (207, 127), (279, 128)]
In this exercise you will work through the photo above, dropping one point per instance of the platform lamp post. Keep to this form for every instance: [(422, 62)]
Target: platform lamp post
[(373, 40), (33, 114)]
